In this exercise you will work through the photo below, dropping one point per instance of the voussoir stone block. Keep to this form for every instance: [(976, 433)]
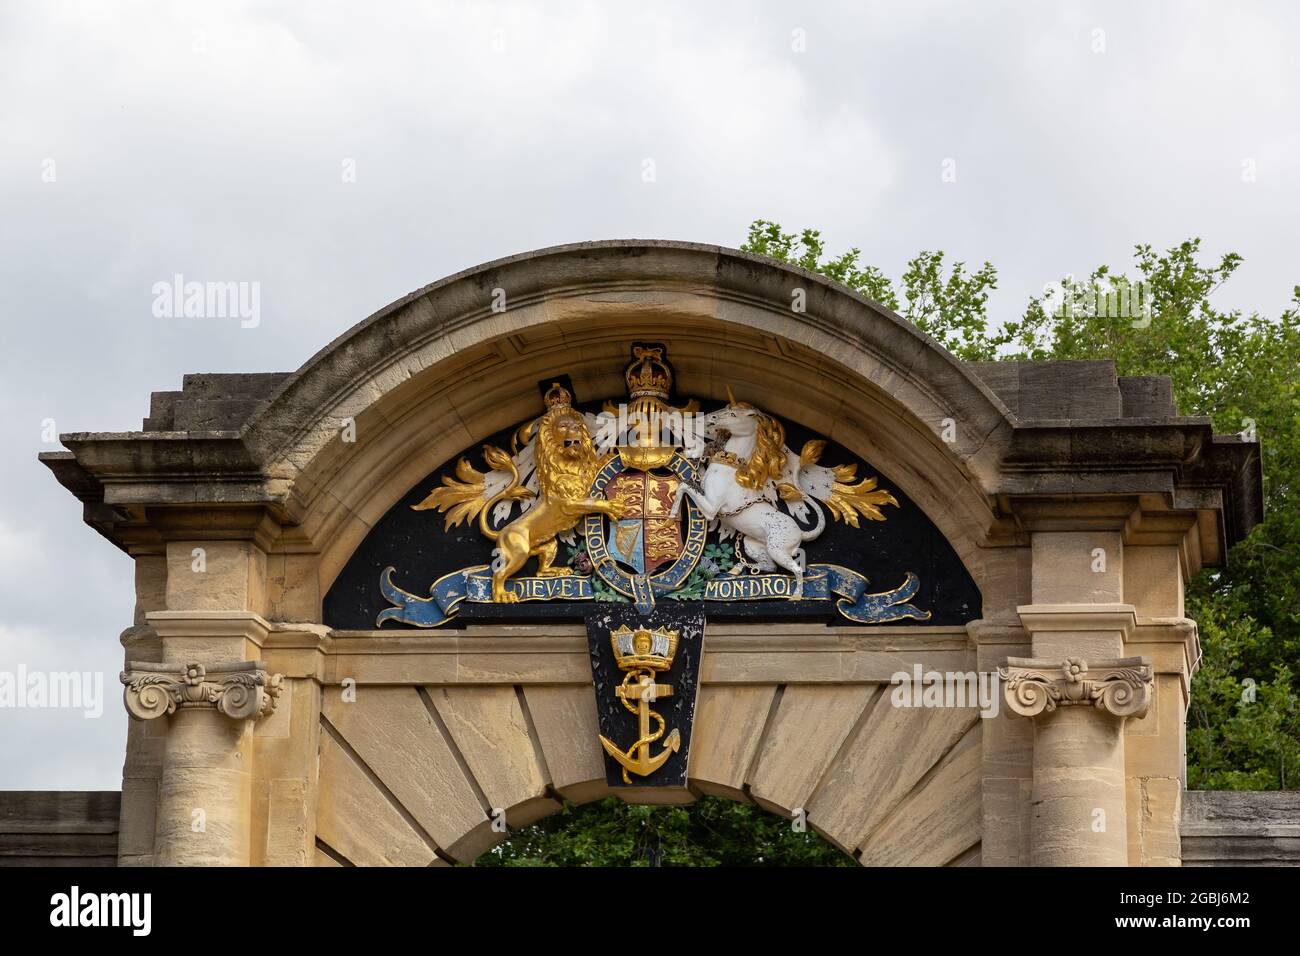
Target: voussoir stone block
[(810, 724), (358, 821), (729, 722), (489, 728), (393, 731)]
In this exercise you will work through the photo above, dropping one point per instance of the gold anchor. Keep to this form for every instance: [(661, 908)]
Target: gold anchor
[(643, 653)]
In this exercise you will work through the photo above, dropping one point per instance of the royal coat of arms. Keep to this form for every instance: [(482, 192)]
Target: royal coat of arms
[(653, 501)]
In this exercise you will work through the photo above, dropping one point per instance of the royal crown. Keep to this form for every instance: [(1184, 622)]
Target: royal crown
[(644, 649), (648, 375), (557, 394)]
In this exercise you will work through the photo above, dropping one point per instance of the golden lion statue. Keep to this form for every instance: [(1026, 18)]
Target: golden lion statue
[(566, 463)]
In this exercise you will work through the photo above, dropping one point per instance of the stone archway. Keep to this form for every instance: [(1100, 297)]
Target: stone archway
[(1028, 472), (413, 773)]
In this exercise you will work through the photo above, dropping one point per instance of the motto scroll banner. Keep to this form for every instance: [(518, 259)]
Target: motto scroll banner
[(823, 582)]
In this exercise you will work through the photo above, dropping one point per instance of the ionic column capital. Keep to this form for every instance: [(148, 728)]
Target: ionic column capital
[(1120, 687), (240, 691)]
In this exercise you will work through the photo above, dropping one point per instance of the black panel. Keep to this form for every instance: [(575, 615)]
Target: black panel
[(677, 710), (415, 544)]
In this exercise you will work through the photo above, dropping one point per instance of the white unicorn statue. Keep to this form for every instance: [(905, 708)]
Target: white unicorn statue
[(753, 470)]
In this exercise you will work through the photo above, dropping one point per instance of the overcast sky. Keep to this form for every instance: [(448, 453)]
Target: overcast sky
[(142, 140)]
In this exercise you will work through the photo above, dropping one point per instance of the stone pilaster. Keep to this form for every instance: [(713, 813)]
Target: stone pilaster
[(143, 761), (210, 695), (142, 764), (286, 749)]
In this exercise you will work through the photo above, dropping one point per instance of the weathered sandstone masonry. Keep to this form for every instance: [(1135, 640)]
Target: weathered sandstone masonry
[(1079, 502)]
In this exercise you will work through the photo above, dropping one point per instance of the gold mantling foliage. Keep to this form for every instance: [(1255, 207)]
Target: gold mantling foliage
[(847, 500), (464, 499)]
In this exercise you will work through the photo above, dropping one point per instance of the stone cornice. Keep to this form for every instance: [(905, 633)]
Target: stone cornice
[(210, 624), (1121, 688), (258, 523), (241, 691), (1179, 460), (1079, 617)]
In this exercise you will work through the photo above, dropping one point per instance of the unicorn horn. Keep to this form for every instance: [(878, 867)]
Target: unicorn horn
[(731, 398)]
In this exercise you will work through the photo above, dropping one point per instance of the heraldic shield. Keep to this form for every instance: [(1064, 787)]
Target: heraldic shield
[(648, 535)]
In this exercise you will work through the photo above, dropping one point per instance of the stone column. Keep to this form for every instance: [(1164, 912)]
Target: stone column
[(210, 695), (1078, 708), (1079, 687)]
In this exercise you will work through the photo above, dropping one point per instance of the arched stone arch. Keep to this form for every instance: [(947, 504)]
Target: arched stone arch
[(416, 774)]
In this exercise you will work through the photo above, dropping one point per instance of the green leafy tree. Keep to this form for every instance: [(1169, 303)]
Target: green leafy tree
[(949, 304), (709, 832)]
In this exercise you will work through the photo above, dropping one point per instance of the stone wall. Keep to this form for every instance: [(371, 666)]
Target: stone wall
[(59, 827), (1241, 828)]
